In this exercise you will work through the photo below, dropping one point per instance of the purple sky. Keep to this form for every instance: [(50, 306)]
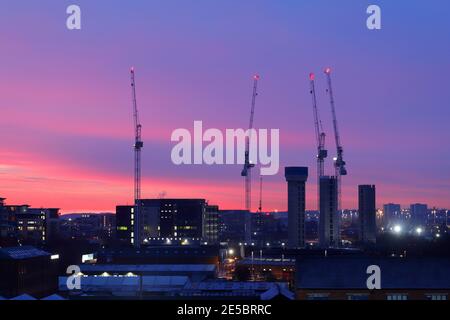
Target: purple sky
[(66, 122)]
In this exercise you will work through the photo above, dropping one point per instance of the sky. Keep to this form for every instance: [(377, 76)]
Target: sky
[(66, 126)]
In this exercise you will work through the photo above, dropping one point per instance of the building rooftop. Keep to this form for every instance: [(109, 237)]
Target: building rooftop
[(53, 297), (24, 252), (267, 261), (350, 272), (278, 290), (24, 297), (291, 172), (134, 268), (173, 286), (128, 284), (232, 286)]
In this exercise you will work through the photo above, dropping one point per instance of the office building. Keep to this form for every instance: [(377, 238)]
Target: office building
[(235, 226), (211, 224), (28, 225), (329, 222), (392, 214), (419, 213), (172, 218), (7, 225), (182, 221), (296, 178), (95, 227), (367, 213), (124, 224), (266, 229)]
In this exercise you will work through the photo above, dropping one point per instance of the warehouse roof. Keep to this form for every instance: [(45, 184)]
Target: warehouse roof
[(122, 268), (128, 284), (350, 272), (23, 252)]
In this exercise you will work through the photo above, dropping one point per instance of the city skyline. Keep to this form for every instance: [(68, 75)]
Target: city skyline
[(66, 107)]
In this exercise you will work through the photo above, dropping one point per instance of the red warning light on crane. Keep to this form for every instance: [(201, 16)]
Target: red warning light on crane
[(312, 76)]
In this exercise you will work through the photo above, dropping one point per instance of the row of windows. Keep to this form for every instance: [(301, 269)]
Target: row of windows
[(365, 296)]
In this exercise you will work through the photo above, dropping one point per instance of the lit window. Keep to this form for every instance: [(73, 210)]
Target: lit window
[(397, 296), (317, 296), (437, 296), (357, 296)]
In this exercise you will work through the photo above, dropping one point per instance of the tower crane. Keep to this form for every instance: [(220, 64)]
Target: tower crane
[(138, 144), (320, 137), (246, 171), (339, 163)]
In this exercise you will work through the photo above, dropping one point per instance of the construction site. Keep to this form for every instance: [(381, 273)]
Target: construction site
[(329, 189)]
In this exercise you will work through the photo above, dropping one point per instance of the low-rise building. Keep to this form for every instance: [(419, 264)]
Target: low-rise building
[(355, 278), (20, 224), (268, 269), (27, 270)]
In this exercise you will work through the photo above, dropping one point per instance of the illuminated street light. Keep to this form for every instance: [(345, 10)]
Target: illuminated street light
[(397, 229), (419, 230), (230, 252)]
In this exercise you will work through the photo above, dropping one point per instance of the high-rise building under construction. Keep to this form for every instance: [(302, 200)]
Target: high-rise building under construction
[(367, 213), (296, 178), (329, 222)]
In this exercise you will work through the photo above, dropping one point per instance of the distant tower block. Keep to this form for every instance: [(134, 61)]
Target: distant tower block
[(329, 230), (296, 178), (367, 213), (419, 215)]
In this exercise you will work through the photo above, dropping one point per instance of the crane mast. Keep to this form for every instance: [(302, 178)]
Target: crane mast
[(320, 137), (260, 194), (138, 144), (246, 171), (339, 163)]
